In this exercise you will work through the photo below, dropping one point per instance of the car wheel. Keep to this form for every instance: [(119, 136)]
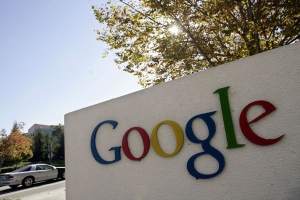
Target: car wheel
[(62, 175), (13, 186), (27, 182)]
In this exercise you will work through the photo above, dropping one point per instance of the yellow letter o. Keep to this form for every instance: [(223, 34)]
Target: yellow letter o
[(178, 134)]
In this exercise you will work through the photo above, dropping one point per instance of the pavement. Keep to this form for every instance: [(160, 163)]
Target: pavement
[(56, 194), (54, 191)]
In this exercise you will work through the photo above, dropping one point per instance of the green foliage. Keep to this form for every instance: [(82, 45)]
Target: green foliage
[(41, 142), (38, 147), (59, 147), (210, 33), (56, 163)]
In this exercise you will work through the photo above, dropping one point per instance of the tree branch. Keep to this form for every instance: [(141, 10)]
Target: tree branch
[(200, 50), (256, 36), (141, 13), (293, 40)]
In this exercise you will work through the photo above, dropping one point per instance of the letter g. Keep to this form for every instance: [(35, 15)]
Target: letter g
[(95, 153), (207, 148)]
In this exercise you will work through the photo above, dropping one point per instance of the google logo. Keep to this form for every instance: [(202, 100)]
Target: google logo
[(189, 132)]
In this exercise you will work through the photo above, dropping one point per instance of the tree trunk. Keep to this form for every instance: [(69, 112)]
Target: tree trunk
[(1, 162)]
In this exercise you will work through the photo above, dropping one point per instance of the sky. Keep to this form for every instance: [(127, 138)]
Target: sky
[(51, 63)]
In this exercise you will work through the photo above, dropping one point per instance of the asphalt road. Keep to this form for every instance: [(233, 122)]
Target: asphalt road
[(54, 190)]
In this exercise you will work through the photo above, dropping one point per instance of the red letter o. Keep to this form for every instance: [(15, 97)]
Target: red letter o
[(146, 142)]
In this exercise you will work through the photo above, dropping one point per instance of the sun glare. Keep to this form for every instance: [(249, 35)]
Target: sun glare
[(174, 30)]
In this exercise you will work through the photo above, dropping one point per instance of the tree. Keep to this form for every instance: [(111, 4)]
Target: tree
[(38, 146), (59, 147), (48, 141), (14, 146), (41, 141), (210, 33)]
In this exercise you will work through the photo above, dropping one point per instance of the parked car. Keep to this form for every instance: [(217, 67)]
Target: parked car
[(30, 174)]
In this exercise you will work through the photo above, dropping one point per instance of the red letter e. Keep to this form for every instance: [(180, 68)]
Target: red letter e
[(247, 131)]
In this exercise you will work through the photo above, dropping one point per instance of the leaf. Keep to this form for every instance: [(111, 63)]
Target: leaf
[(211, 33)]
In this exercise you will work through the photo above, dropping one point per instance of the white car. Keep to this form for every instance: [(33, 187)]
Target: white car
[(30, 174)]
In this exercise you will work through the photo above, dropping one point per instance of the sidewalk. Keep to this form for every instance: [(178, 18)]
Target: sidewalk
[(54, 191), (56, 194)]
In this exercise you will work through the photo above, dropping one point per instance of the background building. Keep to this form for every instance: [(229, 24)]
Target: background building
[(44, 128)]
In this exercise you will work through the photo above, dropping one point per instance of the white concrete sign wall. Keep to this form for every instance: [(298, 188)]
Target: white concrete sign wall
[(231, 132)]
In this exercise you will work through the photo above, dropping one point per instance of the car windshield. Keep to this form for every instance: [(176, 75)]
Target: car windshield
[(23, 169)]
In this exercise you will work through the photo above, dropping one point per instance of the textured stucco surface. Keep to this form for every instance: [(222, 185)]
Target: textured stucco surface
[(251, 172)]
